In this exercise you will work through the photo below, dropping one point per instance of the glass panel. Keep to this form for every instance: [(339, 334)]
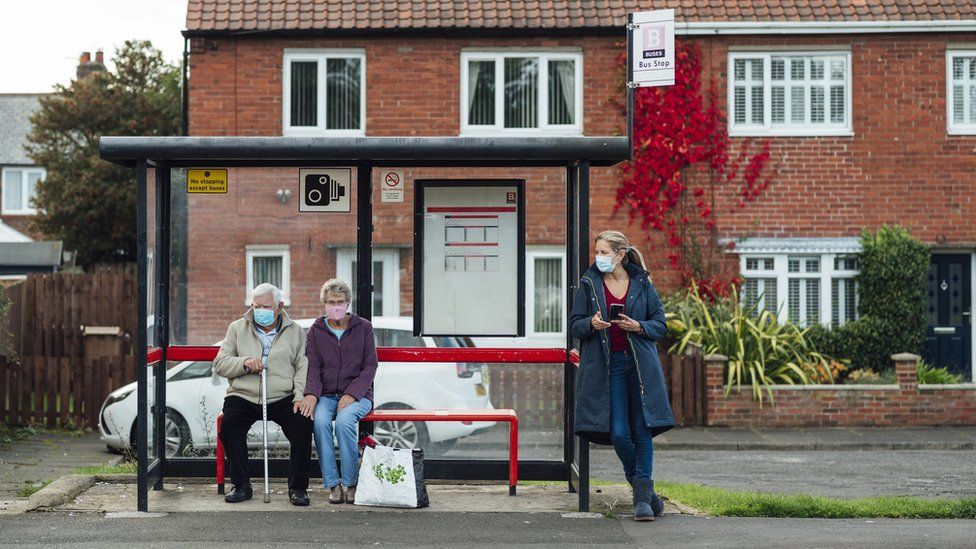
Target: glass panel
[(13, 190), (481, 93), (757, 105), (740, 104), (342, 87), (971, 65), (797, 69), (304, 93), (32, 179), (562, 92), (932, 290), (958, 99), (739, 69), (548, 295), (817, 104), (955, 294), (816, 69), (756, 72), (972, 104), (798, 105), (779, 104), (843, 300), (778, 67), (377, 287), (837, 69), (770, 302), (267, 269), (794, 265), (837, 104), (794, 300), (813, 301), (521, 92), (812, 265), (957, 67)]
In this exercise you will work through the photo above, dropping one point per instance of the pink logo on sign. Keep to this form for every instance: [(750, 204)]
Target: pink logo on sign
[(653, 36)]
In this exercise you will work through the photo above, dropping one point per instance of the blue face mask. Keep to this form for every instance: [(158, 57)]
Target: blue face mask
[(605, 263), (264, 317)]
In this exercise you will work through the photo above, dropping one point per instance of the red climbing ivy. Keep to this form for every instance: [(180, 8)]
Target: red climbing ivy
[(681, 155)]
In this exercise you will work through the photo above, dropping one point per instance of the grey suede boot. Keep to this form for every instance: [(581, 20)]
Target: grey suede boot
[(657, 504), (643, 487)]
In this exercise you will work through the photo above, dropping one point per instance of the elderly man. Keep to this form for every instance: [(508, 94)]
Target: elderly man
[(265, 338)]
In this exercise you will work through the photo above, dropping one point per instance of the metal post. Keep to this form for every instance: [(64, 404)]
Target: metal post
[(630, 89), (364, 241), (161, 322), (583, 263), (142, 388), (569, 375)]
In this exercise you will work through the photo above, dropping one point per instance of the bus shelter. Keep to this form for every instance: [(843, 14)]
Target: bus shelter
[(164, 155)]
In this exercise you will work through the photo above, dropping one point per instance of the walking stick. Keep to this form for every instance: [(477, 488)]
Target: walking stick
[(264, 423)]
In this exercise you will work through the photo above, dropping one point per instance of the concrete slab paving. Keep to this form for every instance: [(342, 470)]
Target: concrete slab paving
[(46, 457)]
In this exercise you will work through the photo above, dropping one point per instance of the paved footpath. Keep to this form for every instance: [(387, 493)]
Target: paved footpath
[(46, 457), (477, 530)]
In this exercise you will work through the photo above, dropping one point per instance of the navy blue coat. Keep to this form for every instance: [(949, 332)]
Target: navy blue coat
[(592, 410)]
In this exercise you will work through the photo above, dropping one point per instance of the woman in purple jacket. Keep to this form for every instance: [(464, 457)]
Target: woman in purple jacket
[(341, 366)]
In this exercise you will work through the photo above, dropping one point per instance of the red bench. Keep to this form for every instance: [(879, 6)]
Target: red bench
[(508, 416)]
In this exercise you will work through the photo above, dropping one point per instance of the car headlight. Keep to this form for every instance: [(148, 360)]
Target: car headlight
[(116, 397)]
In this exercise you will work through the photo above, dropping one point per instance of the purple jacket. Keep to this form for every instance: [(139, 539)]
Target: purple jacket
[(341, 367)]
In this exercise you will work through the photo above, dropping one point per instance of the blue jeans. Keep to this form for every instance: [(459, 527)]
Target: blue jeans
[(630, 436), (346, 423)]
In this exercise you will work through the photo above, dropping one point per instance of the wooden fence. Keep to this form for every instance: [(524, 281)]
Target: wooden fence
[(60, 376), (535, 391)]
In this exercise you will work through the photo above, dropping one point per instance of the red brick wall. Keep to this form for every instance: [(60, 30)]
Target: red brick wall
[(899, 167), (826, 406)]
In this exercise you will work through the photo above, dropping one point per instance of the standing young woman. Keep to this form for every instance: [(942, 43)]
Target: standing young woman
[(621, 398)]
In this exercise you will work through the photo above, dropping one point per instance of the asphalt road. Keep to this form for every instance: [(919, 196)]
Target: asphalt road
[(406, 529)]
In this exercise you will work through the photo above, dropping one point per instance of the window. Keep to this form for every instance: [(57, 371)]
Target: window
[(271, 264), (521, 92), (546, 286), (19, 189), (386, 279), (789, 94), (961, 91), (324, 92), (800, 285), (388, 337)]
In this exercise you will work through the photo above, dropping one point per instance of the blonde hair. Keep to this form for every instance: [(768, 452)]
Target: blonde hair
[(618, 242), (335, 286)]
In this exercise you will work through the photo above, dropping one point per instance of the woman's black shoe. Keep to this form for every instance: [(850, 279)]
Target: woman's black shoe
[(239, 494), (298, 497)]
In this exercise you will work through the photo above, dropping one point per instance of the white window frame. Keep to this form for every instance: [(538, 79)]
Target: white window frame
[(530, 256), (544, 128), (787, 129), (320, 56), (846, 274), (761, 275), (267, 250), (782, 275), (390, 257), (25, 171), (961, 128)]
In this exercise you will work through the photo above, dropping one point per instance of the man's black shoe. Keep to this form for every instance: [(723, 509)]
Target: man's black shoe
[(298, 497), (239, 494)]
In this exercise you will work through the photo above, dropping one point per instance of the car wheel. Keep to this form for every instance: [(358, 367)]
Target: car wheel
[(176, 434), (400, 434)]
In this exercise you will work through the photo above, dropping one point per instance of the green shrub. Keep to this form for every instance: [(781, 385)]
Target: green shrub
[(930, 375), (761, 351), (891, 287)]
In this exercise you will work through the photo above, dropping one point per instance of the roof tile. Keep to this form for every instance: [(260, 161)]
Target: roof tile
[(231, 15)]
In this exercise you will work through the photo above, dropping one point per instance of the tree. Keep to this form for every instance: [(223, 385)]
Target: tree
[(84, 201), (681, 153)]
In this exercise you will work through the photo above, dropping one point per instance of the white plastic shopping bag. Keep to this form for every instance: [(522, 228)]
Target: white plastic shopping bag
[(391, 477)]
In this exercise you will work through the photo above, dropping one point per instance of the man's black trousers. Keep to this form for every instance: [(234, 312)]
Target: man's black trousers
[(240, 415)]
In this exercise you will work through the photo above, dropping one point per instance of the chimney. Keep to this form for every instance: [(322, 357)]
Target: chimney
[(86, 66)]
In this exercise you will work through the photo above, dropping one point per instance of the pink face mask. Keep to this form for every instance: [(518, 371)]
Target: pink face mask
[(336, 312)]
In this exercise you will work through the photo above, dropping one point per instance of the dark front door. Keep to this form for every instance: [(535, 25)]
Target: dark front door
[(948, 339)]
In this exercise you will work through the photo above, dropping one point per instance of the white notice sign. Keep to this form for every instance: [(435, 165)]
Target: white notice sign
[(652, 54), (391, 186), (471, 259)]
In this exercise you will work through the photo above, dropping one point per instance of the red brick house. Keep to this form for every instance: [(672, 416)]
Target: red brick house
[(870, 108)]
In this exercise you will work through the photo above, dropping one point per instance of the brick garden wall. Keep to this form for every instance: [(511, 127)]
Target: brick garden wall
[(902, 405)]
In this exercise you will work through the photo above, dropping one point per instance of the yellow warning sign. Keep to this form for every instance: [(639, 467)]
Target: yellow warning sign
[(206, 181)]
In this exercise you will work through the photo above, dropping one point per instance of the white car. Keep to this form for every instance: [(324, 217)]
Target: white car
[(195, 395)]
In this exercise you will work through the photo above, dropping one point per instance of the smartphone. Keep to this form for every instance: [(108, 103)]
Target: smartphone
[(615, 310)]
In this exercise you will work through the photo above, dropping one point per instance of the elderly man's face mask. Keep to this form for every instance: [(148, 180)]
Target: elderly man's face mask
[(265, 310)]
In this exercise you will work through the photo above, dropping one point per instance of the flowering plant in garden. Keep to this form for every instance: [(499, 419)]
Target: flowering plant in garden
[(681, 153)]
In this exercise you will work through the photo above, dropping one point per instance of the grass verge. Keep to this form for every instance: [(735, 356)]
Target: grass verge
[(31, 487), (732, 503), (126, 467)]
